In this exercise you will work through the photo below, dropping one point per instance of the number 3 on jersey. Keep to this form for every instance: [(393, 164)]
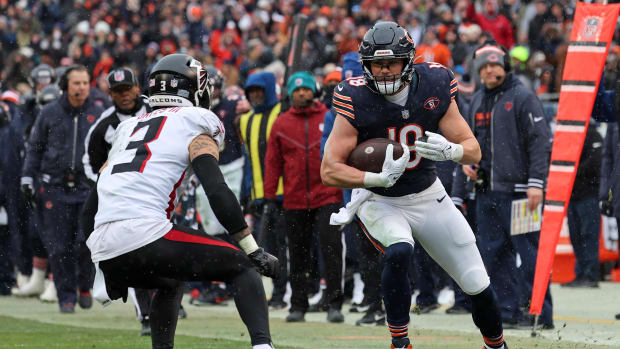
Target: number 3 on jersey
[(403, 136), (143, 153)]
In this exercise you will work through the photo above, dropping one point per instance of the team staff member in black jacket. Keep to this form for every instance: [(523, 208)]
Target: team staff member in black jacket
[(584, 215), (508, 122), (55, 148), (125, 93), (128, 102)]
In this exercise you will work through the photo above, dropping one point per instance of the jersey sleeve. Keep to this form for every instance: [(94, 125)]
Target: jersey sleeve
[(454, 85), (206, 122), (342, 102)]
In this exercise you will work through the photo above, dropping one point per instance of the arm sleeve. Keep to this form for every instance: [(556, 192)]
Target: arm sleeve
[(274, 163), (89, 211), (223, 201), (328, 124), (96, 151), (537, 134), (607, 162), (37, 142)]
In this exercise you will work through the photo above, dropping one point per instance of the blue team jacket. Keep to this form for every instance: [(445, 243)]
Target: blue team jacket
[(56, 141)]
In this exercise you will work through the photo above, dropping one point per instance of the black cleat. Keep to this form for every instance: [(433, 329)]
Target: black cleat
[(372, 318), (581, 283), (296, 316), (276, 304), (334, 315), (457, 310), (146, 328), (425, 309), (67, 308), (359, 307), (85, 300), (182, 313)]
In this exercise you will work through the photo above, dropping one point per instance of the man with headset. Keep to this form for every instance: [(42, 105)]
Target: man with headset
[(508, 122), (55, 148)]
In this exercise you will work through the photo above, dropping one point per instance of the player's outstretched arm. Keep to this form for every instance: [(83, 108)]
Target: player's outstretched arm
[(334, 170), (203, 153), (454, 127)]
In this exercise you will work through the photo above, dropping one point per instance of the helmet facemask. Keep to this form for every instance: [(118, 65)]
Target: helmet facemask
[(388, 84), (202, 96)]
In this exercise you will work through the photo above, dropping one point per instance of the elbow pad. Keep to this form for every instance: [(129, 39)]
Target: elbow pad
[(223, 202)]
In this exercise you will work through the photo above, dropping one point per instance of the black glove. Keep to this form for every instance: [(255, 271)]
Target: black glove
[(607, 209), (266, 264), (28, 194)]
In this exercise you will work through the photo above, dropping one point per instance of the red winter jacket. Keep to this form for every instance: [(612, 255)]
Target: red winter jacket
[(293, 151), (497, 24)]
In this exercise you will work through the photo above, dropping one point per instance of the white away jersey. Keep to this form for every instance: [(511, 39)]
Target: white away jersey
[(148, 162)]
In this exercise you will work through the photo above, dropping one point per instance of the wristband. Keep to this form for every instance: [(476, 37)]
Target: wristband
[(372, 179), (457, 153), (248, 244)]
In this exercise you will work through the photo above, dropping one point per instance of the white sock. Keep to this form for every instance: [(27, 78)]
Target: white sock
[(488, 347), (262, 346)]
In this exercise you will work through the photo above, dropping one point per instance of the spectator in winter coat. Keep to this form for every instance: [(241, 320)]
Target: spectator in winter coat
[(492, 21), (293, 152)]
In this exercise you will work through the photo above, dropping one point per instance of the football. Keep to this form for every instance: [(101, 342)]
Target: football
[(369, 155)]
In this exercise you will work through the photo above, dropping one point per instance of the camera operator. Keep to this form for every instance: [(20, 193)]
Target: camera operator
[(53, 156)]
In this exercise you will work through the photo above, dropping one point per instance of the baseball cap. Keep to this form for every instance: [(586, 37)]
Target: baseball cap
[(121, 77)]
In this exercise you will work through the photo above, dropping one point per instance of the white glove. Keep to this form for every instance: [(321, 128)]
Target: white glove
[(391, 171), (438, 148)]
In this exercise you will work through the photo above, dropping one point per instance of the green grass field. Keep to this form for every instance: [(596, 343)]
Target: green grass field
[(584, 320), (32, 334)]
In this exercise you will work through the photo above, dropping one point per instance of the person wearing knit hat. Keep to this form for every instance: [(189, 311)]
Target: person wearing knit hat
[(329, 83), (333, 78), (491, 60), (301, 79)]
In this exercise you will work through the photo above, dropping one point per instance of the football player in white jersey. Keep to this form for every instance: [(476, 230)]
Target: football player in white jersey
[(134, 244)]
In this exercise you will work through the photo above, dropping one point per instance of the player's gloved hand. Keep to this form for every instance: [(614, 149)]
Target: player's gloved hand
[(266, 263), (391, 171), (437, 148), (27, 189)]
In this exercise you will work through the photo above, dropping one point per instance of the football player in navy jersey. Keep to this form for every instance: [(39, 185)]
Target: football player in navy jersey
[(408, 103)]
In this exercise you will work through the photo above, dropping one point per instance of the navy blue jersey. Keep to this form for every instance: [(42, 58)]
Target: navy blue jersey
[(375, 117), (226, 112)]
